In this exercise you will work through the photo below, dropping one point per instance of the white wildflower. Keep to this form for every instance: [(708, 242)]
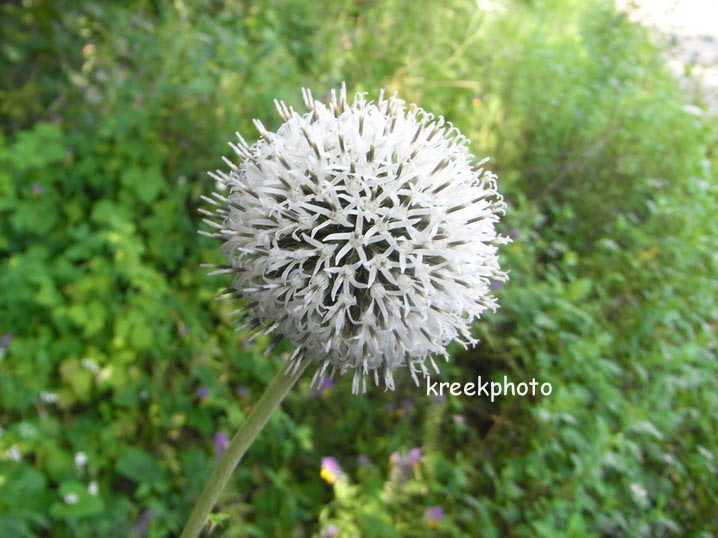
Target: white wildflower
[(49, 397), (13, 453), (27, 430), (364, 232), (71, 498), (93, 488), (640, 494), (90, 364), (81, 460)]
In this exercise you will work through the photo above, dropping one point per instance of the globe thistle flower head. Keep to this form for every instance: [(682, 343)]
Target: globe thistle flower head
[(364, 232)]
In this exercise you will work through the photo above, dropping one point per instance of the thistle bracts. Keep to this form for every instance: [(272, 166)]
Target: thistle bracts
[(364, 232)]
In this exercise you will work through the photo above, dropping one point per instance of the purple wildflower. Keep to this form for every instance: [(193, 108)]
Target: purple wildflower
[(142, 525), (325, 387), (202, 392), (414, 456), (434, 515), (5, 340), (221, 444), (332, 531), (5, 343), (331, 470), (404, 466)]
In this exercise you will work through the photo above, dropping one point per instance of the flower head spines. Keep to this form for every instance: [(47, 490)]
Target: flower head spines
[(364, 232)]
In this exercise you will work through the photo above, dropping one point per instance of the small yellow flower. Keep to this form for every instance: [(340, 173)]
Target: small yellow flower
[(328, 476), (331, 470)]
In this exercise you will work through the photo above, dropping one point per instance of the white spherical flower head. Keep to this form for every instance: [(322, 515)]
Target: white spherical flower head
[(364, 232)]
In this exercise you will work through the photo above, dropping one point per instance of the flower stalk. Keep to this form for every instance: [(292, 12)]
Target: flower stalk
[(255, 422)]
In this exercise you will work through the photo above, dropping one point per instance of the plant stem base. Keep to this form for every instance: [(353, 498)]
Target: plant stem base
[(257, 419)]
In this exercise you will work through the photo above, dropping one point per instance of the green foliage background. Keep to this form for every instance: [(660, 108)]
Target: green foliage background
[(110, 116)]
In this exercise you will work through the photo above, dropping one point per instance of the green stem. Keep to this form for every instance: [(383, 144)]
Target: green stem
[(257, 419)]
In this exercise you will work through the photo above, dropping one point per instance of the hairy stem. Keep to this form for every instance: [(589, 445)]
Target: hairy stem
[(257, 419)]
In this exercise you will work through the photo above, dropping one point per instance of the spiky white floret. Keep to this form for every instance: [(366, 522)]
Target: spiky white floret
[(364, 232)]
